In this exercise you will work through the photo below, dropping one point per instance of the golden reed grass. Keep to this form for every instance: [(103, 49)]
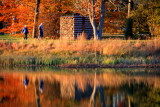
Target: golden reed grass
[(105, 47), (80, 51)]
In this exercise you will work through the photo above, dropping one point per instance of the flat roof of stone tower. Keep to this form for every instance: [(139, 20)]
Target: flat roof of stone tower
[(74, 16)]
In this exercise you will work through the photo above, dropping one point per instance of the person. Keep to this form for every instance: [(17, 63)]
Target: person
[(40, 28), (25, 82), (41, 86), (25, 31)]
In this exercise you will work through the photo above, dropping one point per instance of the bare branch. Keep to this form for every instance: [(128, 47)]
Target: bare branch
[(112, 3)]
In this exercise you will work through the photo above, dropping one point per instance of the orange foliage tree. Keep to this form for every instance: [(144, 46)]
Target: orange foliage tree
[(14, 14), (50, 12), (115, 16)]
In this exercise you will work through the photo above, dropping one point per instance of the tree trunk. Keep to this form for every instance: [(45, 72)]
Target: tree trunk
[(92, 20), (129, 8), (36, 18), (93, 23), (92, 98), (101, 21)]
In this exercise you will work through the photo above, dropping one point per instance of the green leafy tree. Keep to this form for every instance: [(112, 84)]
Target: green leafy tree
[(128, 31)]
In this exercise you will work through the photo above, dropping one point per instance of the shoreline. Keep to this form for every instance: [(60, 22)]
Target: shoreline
[(109, 66), (92, 66)]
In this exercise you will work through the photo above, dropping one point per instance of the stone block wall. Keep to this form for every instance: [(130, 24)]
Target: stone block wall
[(72, 26)]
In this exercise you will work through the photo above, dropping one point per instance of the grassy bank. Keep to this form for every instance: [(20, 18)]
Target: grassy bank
[(58, 52)]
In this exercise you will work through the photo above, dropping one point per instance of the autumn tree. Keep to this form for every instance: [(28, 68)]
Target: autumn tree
[(88, 8), (146, 17), (36, 10), (8, 15), (129, 22), (96, 10), (50, 13), (15, 15), (115, 15), (36, 18)]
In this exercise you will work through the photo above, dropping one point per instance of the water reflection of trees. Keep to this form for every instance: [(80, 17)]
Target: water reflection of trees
[(142, 95), (133, 92), (112, 90)]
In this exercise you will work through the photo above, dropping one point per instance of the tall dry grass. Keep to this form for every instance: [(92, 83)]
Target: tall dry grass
[(80, 51)]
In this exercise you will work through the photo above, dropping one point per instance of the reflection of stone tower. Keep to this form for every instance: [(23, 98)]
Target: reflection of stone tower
[(51, 90), (67, 90), (73, 26)]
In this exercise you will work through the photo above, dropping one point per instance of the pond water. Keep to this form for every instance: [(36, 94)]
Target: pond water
[(54, 87)]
